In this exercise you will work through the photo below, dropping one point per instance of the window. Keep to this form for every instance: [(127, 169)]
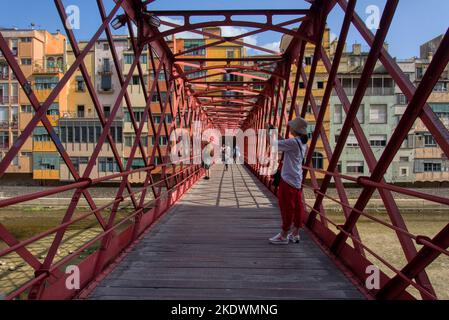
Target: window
[(70, 134), (108, 165), (4, 115), (378, 113), (137, 163), (77, 135), (80, 85), (429, 140), (105, 46), (51, 63), (163, 141), (41, 135), (26, 62), (84, 137), (403, 172), (338, 114), (401, 99), (308, 61), (190, 44), (161, 76), (138, 114), (355, 167), (419, 72), (157, 119), (352, 141), (230, 54), (136, 80), (155, 97), (301, 85), (15, 114), (91, 134), (46, 83), (107, 111), (4, 140), (4, 74), (320, 85), (129, 58), (46, 161), (15, 46), (318, 160), (26, 108), (80, 111), (440, 87), (106, 65), (432, 167), (106, 83), (404, 159), (26, 40), (361, 114), (378, 140), (129, 140)]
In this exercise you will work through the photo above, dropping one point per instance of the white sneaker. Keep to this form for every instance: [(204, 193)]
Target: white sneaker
[(279, 239), (294, 239)]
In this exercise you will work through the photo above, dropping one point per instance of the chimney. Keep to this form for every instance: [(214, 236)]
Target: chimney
[(357, 48)]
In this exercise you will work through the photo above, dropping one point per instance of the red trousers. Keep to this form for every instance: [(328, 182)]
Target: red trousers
[(291, 205)]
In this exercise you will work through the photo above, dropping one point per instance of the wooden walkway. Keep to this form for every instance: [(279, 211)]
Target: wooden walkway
[(214, 245)]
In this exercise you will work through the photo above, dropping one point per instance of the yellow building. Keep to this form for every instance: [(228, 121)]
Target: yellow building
[(47, 72), (320, 160), (40, 55), (223, 50), (77, 124)]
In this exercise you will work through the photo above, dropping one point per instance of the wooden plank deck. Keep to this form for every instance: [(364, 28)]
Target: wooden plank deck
[(213, 245)]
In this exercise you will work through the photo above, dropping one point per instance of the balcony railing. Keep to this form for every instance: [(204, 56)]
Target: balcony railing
[(4, 146), (106, 68), (105, 90), (4, 125), (49, 68), (14, 100), (371, 91), (4, 100)]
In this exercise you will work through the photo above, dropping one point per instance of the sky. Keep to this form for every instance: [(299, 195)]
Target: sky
[(415, 22)]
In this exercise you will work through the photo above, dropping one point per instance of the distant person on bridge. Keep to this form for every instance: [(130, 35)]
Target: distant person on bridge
[(208, 157), (290, 186), (237, 154), (227, 156)]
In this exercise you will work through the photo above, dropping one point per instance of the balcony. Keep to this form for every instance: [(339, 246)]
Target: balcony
[(14, 100), (44, 67), (4, 125), (46, 174), (4, 100), (44, 146), (370, 91), (105, 90), (106, 68)]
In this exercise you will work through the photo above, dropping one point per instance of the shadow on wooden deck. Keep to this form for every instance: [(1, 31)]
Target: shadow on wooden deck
[(214, 245)]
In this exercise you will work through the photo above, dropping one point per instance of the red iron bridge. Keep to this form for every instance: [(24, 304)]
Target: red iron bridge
[(199, 239)]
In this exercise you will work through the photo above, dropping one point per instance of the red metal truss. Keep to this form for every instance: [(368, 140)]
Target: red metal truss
[(265, 90)]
